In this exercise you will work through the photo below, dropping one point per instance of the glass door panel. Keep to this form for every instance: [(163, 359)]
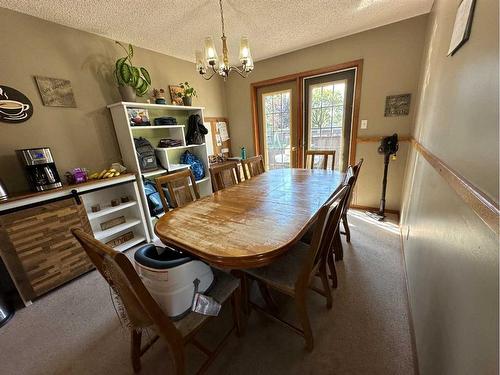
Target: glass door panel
[(327, 103), (328, 115), (277, 129)]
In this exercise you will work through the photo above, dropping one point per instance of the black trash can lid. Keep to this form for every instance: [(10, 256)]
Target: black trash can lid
[(160, 257)]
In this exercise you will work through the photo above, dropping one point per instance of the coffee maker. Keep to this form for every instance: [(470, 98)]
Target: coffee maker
[(40, 168)]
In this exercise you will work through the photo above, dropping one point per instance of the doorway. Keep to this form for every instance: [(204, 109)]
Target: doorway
[(312, 110), (328, 105)]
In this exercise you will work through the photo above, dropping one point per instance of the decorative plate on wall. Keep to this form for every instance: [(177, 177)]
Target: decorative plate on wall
[(14, 105)]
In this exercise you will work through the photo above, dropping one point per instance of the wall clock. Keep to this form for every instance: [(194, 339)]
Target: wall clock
[(15, 107)]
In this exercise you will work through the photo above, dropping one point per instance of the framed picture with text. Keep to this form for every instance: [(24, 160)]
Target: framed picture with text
[(462, 25)]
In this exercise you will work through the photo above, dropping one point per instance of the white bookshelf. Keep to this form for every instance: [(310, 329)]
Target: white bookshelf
[(168, 159), (135, 220)]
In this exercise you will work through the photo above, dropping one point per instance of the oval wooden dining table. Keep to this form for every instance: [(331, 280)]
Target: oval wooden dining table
[(250, 224)]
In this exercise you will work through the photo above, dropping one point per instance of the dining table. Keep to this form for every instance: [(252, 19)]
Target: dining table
[(249, 224)]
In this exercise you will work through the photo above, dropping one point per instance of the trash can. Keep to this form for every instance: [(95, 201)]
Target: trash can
[(7, 291), (6, 311)]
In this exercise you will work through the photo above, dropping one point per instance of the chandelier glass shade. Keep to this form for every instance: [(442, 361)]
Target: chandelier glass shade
[(208, 63)]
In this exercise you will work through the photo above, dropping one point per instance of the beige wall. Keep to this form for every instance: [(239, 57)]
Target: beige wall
[(451, 255), (82, 136), (392, 56)]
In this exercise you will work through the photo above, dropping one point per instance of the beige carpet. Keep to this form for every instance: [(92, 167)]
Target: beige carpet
[(74, 330)]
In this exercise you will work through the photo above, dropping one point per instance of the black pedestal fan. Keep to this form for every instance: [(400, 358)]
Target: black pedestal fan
[(388, 146)]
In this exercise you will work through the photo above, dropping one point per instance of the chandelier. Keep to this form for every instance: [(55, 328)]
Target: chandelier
[(207, 66)]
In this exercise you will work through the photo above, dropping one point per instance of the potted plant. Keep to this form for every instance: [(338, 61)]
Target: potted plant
[(132, 81), (187, 93)]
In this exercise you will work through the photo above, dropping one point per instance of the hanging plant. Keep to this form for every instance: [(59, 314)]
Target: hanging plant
[(129, 75)]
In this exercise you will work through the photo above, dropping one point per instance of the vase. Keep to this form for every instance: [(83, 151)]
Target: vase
[(187, 100), (127, 93)]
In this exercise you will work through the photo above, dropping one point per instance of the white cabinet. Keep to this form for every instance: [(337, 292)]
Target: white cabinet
[(135, 224), (168, 158)]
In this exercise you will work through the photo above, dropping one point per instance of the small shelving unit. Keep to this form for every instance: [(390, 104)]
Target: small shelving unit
[(109, 210), (135, 220), (168, 158)]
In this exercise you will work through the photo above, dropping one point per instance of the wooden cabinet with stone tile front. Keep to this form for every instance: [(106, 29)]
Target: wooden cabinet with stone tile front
[(39, 249)]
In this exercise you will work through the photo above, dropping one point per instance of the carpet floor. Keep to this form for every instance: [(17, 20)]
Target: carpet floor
[(75, 330)]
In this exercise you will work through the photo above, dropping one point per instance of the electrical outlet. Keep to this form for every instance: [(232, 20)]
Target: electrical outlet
[(364, 124)]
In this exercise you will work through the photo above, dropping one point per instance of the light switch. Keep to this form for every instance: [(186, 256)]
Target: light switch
[(364, 124)]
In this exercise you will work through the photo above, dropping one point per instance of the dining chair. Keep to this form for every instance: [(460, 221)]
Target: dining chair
[(335, 250), (356, 170), (224, 175), (253, 166), (291, 273), (143, 312), (311, 155), (179, 191)]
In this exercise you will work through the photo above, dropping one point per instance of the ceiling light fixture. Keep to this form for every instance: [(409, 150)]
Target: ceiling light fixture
[(208, 67)]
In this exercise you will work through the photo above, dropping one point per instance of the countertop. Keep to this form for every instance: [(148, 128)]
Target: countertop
[(27, 198)]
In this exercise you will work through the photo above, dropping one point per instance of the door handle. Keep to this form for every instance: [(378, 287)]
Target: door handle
[(75, 195), (294, 148)]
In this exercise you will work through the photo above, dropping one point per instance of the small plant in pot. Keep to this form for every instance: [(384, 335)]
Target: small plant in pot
[(132, 81), (187, 93)]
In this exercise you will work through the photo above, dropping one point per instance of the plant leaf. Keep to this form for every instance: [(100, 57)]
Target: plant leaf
[(146, 75), (139, 82), (125, 73), (142, 89), (130, 51), (135, 76), (118, 67)]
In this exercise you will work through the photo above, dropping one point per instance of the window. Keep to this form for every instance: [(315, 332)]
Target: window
[(277, 129)]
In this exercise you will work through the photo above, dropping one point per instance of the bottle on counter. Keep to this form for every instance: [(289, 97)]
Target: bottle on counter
[(243, 153)]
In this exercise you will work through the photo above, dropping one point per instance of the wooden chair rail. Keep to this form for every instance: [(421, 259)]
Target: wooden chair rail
[(485, 207)]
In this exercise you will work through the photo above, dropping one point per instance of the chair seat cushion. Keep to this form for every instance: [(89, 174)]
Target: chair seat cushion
[(284, 271), (224, 286)]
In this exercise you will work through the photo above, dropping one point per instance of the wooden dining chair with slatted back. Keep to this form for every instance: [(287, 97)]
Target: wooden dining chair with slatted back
[(327, 155), (253, 166), (335, 245), (179, 191), (142, 312), (224, 175), (356, 170), (291, 274), (336, 251)]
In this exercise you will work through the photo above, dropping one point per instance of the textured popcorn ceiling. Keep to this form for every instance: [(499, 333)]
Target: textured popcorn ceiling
[(178, 27)]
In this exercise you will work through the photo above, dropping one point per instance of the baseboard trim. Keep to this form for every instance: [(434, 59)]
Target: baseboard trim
[(408, 306), (369, 208), (485, 207)]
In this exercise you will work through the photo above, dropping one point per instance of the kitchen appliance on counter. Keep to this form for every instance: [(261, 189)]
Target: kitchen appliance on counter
[(3, 191), (40, 168)]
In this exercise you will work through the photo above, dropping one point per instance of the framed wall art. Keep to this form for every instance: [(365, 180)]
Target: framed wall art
[(462, 26), (397, 105), (174, 90), (55, 92), (15, 107)]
